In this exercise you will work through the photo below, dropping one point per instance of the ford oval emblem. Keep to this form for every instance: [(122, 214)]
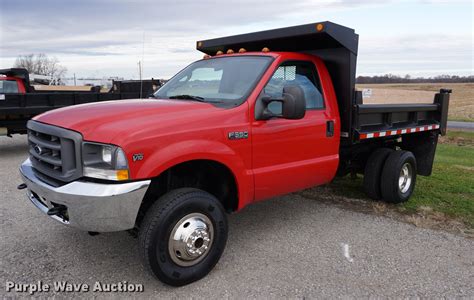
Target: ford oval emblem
[(38, 149)]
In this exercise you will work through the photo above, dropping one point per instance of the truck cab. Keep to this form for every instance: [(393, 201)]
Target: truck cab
[(262, 114), (13, 81)]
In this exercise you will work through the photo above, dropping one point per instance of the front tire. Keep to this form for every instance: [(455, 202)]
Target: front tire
[(398, 177), (183, 236)]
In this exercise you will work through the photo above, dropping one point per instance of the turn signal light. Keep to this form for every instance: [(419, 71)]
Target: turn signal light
[(319, 27), (122, 175)]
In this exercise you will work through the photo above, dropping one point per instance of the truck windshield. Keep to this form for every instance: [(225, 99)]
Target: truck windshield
[(225, 80), (8, 87)]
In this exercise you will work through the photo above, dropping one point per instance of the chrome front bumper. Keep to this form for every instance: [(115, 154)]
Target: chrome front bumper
[(89, 206)]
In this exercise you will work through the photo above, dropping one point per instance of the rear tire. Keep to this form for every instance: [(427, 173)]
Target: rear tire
[(373, 172), (398, 177), (183, 236)]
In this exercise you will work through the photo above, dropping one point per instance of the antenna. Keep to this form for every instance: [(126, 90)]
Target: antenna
[(140, 76), (140, 66)]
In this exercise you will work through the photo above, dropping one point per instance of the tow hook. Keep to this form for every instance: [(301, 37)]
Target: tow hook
[(21, 186), (57, 210)]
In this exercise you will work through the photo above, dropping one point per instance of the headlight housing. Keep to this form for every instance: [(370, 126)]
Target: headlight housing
[(104, 162)]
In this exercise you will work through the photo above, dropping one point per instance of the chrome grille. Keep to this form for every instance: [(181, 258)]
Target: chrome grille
[(55, 151)]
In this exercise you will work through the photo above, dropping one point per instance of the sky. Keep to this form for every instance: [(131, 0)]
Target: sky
[(101, 38)]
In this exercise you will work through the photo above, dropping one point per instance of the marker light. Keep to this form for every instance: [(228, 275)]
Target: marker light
[(265, 49), (206, 56), (199, 44), (242, 50), (122, 175), (230, 51), (219, 52), (319, 27)]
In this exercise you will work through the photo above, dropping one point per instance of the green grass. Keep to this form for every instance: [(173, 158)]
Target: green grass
[(461, 134), (461, 119), (450, 188)]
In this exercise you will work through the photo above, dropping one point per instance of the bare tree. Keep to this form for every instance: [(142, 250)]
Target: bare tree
[(41, 64)]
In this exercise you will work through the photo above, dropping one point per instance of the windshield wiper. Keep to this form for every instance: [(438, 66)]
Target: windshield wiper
[(191, 97)]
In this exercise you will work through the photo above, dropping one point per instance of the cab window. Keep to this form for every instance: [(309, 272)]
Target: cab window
[(299, 73), (8, 87)]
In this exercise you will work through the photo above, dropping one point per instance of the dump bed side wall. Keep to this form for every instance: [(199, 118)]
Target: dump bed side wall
[(370, 119), (17, 109)]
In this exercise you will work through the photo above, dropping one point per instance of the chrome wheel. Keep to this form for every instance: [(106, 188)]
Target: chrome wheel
[(191, 239), (405, 179)]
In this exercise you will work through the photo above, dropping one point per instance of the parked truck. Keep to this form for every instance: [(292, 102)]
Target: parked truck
[(261, 115), (20, 100)]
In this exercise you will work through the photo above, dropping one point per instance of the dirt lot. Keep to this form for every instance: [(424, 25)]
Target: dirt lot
[(461, 107)]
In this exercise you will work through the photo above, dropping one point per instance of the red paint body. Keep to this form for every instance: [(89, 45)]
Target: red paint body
[(19, 82), (280, 155)]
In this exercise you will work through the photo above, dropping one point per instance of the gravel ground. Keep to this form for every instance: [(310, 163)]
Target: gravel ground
[(287, 247)]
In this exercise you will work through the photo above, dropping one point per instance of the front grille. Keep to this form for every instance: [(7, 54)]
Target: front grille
[(54, 151), (45, 149)]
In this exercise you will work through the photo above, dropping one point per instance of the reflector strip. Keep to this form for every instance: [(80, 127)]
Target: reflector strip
[(377, 134)]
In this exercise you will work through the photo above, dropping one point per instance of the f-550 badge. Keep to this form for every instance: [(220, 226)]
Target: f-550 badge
[(137, 157), (238, 135)]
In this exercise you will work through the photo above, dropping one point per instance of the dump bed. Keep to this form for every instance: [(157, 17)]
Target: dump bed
[(17, 109), (337, 46)]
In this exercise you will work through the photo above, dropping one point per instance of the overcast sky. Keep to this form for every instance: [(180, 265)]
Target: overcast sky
[(108, 37)]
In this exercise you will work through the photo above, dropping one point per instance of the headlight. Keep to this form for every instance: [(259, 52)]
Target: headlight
[(104, 162)]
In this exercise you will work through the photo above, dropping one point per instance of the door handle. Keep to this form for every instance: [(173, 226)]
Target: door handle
[(329, 128)]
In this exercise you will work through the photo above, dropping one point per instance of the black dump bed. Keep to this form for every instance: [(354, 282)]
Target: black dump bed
[(17, 109), (337, 46)]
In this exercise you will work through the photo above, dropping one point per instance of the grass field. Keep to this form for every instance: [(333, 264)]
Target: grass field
[(461, 106), (447, 196)]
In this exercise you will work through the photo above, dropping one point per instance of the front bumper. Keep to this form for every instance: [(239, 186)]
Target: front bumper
[(89, 206)]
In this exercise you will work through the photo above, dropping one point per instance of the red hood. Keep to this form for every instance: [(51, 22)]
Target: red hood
[(103, 121)]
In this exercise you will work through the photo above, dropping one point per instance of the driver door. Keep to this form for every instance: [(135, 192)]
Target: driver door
[(290, 155)]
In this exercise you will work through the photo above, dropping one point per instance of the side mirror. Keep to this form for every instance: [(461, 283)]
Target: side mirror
[(294, 102), (293, 105)]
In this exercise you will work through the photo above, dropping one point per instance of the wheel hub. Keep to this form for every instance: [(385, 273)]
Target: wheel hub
[(191, 239), (405, 179)]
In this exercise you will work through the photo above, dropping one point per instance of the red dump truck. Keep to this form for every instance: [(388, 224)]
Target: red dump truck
[(261, 115)]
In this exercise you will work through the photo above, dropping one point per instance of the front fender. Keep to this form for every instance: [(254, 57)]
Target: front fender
[(189, 150)]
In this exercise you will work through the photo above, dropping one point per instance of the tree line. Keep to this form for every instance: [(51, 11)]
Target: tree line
[(41, 64), (390, 78)]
